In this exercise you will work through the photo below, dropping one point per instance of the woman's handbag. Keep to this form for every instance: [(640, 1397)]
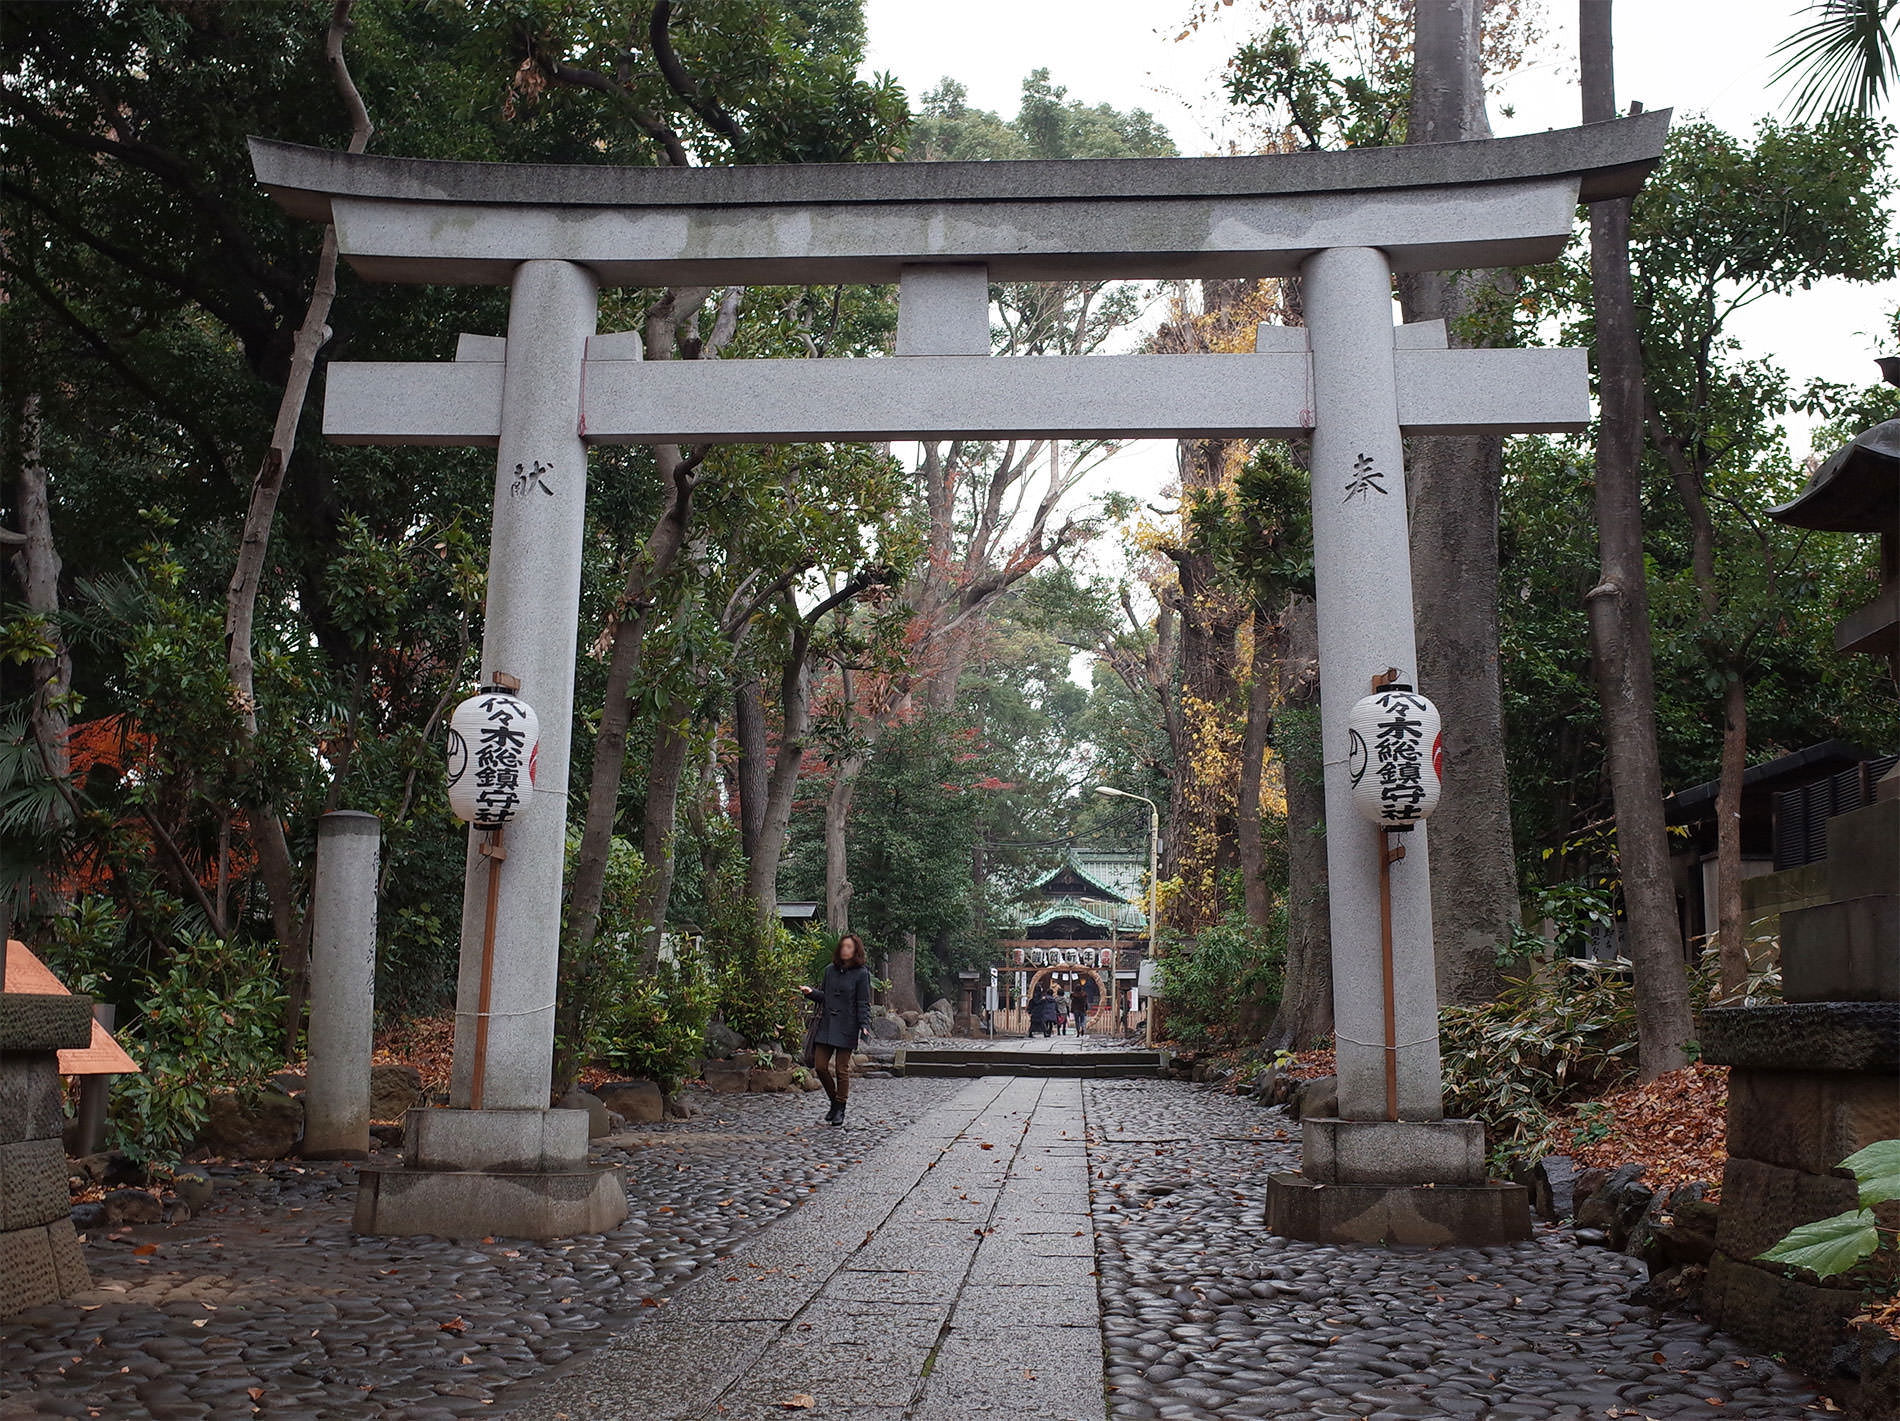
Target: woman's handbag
[(812, 1020)]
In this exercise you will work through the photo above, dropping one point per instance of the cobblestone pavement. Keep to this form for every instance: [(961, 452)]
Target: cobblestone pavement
[(1204, 1315), (266, 1305)]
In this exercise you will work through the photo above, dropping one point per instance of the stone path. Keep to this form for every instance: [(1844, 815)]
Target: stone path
[(951, 1275), (958, 1251), (267, 1305), (1204, 1315)]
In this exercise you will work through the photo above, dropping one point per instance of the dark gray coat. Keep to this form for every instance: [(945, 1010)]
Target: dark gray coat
[(845, 999)]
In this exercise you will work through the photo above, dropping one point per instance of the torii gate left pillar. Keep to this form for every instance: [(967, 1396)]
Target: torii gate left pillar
[(513, 1166)]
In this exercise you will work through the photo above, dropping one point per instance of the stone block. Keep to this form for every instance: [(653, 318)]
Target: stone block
[(1761, 1202), (1802, 1321), (480, 1203), (760, 1081), (1772, 893), (503, 1141), (1808, 1120), (69, 1257), (1842, 952), (35, 1021), (1392, 1152), (1806, 1036), (1426, 1216), (31, 1107), (28, 1275), (637, 1102), (32, 1184), (1863, 851)]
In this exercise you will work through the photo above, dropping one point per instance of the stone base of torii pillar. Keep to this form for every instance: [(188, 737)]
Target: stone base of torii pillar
[(498, 1161), (1390, 1169)]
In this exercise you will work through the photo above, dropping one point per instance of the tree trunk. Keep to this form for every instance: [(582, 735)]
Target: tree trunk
[(748, 725), (670, 744), (1306, 1002), (844, 787), (1452, 487), (273, 849), (1253, 751), (1202, 794), (761, 872), (1730, 926), (37, 564), (794, 725), (1619, 607), (900, 967)]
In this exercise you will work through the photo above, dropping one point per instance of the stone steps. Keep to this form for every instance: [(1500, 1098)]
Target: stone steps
[(1077, 1065)]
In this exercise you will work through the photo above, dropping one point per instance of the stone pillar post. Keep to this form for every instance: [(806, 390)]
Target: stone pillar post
[(342, 985), (1363, 576), (534, 578)]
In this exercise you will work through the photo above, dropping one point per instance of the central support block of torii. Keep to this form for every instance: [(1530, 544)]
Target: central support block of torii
[(1390, 1168)]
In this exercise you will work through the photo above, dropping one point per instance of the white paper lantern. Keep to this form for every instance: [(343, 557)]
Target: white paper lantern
[(494, 739), (1395, 756)]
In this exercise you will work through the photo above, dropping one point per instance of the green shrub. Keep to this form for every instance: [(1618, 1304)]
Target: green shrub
[(1565, 1030), (1223, 980), (654, 1028), (211, 1023), (756, 967)]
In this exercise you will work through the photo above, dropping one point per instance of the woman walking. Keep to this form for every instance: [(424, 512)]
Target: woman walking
[(844, 1013)]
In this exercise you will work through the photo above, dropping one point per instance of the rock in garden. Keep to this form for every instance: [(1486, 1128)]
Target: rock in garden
[(887, 1028), (599, 1118), (393, 1091), (194, 1187), (768, 1078), (132, 1206), (722, 1041), (1318, 1099), (638, 1102), (266, 1128), (726, 1077)]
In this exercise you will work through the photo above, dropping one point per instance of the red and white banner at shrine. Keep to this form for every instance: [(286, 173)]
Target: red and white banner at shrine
[(1395, 756), (493, 742)]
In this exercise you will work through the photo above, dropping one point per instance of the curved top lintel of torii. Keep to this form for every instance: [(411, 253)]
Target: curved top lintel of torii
[(1429, 206)]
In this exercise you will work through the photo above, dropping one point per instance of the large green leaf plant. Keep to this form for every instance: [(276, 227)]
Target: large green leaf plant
[(1832, 1246)]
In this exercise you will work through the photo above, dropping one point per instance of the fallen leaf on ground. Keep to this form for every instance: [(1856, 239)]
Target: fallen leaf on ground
[(801, 1402)]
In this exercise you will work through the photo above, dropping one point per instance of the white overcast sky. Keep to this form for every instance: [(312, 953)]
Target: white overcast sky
[(1704, 58)]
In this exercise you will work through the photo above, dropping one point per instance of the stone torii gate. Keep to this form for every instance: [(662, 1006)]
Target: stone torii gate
[(1344, 222)]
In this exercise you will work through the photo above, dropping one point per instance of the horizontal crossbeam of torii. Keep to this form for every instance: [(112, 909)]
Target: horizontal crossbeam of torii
[(942, 232)]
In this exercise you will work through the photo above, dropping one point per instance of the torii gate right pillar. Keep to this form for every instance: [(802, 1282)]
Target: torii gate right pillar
[(1388, 1168)]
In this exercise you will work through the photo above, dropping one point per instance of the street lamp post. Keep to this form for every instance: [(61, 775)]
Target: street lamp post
[(1154, 895)]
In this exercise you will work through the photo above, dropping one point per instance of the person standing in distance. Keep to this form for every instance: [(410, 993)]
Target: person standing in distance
[(1079, 1008), (844, 998)]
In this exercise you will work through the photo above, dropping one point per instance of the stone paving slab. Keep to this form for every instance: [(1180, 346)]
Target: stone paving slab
[(900, 1318)]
